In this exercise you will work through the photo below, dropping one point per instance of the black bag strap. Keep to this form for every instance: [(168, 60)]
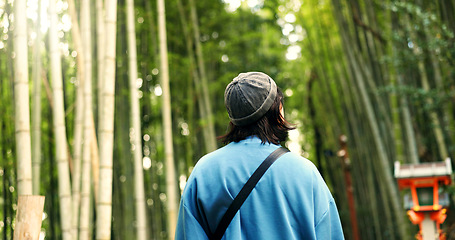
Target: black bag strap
[(246, 190)]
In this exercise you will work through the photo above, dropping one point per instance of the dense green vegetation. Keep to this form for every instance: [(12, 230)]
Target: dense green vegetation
[(380, 72)]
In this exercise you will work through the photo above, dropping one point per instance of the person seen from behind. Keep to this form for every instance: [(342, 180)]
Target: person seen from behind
[(290, 200)]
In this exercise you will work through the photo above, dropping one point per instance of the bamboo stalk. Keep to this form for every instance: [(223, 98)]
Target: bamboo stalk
[(106, 127), (21, 101), (78, 119), (29, 217), (210, 138), (374, 125), (84, 221), (100, 50), (36, 109), (437, 129), (61, 148), (141, 218), (171, 180)]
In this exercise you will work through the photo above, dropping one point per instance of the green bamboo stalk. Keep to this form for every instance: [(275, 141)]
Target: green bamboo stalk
[(171, 184), (36, 109)]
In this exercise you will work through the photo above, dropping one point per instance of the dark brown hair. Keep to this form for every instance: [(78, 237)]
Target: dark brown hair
[(271, 128)]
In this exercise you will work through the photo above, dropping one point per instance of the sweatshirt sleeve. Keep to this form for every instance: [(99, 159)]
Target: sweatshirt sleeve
[(188, 227), (329, 226)]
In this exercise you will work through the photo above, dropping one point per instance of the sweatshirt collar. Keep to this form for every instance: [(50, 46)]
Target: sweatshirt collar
[(254, 139)]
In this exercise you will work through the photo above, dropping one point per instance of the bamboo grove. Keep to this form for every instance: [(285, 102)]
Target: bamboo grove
[(107, 105)]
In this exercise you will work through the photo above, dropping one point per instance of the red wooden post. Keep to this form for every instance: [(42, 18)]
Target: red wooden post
[(346, 164)]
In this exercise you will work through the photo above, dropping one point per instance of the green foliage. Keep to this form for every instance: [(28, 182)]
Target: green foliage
[(420, 97), (439, 38)]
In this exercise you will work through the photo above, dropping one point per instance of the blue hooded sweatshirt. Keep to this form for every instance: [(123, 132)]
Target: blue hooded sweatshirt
[(291, 201)]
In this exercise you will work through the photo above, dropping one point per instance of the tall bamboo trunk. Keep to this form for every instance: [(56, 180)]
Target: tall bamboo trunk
[(194, 80), (152, 30), (171, 183), (100, 48), (21, 99), (209, 129), (84, 221), (36, 109), (404, 127), (106, 128), (322, 65), (141, 224), (437, 128), (78, 118), (446, 116), (380, 147), (411, 144), (351, 108), (64, 185), (373, 122), (386, 199), (100, 52)]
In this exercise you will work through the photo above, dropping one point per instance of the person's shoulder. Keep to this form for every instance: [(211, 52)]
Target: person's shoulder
[(296, 160), (293, 165), (211, 159)]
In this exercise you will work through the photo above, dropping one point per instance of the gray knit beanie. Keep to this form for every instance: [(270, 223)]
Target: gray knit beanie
[(249, 96)]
